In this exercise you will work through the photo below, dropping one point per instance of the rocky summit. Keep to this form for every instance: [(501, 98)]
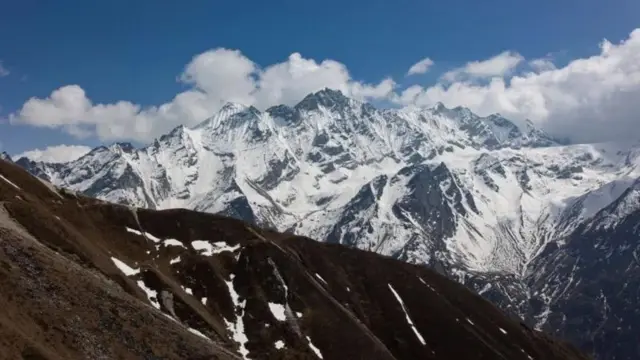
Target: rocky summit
[(86, 279), (545, 229)]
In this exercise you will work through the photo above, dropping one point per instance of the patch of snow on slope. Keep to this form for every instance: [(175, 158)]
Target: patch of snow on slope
[(172, 242), (145, 234), (284, 312), (194, 331), (278, 311), (314, 349), (209, 249), (134, 231), (321, 279), (153, 238), (429, 286), (237, 328), (152, 295), (126, 269), (413, 327), (9, 182)]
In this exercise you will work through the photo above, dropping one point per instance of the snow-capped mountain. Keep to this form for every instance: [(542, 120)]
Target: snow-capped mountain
[(487, 201)]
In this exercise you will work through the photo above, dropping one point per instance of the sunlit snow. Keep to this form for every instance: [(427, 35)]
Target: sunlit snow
[(152, 295), (194, 331), (314, 348), (278, 311), (321, 279), (413, 327), (126, 269), (172, 242), (305, 175), (237, 327), (9, 182), (207, 248)]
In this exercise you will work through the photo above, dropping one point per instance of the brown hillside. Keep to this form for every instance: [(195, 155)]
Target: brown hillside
[(249, 292)]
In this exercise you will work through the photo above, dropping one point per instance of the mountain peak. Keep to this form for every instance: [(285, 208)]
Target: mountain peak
[(229, 111), (326, 97), (233, 107), (439, 106), (125, 147), (178, 131), (326, 92)]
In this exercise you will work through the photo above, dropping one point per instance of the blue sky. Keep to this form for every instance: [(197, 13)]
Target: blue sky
[(135, 51)]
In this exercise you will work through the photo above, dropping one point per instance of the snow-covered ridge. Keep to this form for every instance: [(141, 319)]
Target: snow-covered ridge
[(432, 185)]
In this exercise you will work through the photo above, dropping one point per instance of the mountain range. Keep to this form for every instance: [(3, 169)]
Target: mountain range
[(87, 279), (548, 231)]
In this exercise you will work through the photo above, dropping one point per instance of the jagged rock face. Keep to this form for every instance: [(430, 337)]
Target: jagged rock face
[(83, 278), (480, 199)]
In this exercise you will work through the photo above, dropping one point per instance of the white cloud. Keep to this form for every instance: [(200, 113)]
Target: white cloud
[(216, 76), (223, 75), (497, 66), (542, 64), (3, 70), (588, 100), (420, 67), (56, 154)]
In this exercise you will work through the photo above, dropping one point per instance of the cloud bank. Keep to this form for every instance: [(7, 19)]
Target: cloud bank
[(55, 154), (500, 65), (588, 100), (216, 77)]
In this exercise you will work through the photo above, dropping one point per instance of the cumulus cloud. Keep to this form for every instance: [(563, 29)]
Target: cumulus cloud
[(588, 100), (215, 77), (55, 154), (420, 67), (542, 64), (499, 65), (3, 70)]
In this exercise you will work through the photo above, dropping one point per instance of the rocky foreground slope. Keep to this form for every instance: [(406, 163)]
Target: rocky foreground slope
[(86, 279)]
